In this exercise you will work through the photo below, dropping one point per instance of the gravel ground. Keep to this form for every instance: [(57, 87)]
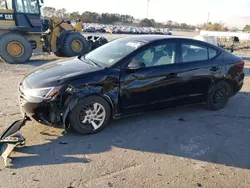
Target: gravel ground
[(181, 147)]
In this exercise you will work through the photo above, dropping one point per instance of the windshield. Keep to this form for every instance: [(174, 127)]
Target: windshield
[(27, 6), (5, 4), (110, 53)]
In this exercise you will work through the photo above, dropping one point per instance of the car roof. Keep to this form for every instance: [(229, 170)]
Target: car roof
[(151, 38), (146, 39)]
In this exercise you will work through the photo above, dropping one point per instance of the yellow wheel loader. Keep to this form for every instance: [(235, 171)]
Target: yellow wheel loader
[(24, 32)]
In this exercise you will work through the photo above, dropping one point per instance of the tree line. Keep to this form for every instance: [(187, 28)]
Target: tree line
[(111, 18), (214, 27), (246, 28), (87, 17)]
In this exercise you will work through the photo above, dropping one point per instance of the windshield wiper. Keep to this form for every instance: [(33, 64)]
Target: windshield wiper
[(93, 62), (89, 61)]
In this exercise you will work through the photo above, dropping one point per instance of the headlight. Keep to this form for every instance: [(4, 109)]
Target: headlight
[(44, 93)]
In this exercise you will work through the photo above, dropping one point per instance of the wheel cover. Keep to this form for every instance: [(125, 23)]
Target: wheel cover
[(77, 46), (220, 95), (92, 115), (15, 49)]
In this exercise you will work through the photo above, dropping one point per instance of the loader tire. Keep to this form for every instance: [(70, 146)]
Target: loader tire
[(91, 45), (99, 41), (15, 48), (96, 42), (59, 53), (103, 41), (74, 45)]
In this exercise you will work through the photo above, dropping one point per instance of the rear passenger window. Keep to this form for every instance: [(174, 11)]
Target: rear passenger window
[(192, 53), (212, 53)]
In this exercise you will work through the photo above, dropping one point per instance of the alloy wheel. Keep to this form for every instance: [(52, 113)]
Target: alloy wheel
[(93, 115), (220, 95)]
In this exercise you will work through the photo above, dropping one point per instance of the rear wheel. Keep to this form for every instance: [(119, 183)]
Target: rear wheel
[(90, 115), (74, 45), (15, 48), (219, 95)]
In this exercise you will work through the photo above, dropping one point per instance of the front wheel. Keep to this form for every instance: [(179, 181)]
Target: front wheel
[(90, 115), (218, 96)]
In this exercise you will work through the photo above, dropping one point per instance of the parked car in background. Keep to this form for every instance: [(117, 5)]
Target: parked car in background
[(128, 76), (122, 29)]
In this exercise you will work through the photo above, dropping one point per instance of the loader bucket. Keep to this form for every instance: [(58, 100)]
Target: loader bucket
[(9, 139)]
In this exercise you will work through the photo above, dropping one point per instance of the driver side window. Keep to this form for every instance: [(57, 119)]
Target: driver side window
[(157, 55)]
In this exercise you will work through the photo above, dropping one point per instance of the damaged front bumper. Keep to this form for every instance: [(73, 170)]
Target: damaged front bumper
[(52, 112), (9, 139)]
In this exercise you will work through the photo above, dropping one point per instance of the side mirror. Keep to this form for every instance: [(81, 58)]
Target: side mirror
[(136, 64)]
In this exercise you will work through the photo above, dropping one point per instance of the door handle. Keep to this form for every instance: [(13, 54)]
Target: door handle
[(173, 75), (214, 69), (134, 76)]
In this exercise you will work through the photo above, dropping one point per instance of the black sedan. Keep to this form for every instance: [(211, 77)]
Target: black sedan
[(129, 76)]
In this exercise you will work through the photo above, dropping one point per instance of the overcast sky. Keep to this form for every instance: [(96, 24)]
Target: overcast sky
[(232, 12)]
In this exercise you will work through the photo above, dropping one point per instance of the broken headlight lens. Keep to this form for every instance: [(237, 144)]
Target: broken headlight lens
[(44, 93)]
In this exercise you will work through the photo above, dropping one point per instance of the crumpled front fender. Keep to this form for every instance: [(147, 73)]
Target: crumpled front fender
[(68, 107)]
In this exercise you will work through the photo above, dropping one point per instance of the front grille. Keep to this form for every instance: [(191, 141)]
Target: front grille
[(20, 90)]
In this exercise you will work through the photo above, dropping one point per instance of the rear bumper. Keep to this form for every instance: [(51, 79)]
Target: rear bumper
[(239, 84), (238, 88)]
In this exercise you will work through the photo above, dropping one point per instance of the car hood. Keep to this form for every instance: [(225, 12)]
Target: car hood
[(53, 74)]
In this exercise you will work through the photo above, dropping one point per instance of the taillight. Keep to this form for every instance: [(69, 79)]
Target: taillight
[(240, 64)]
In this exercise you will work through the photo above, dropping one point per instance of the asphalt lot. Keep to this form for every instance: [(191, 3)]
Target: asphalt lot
[(180, 147)]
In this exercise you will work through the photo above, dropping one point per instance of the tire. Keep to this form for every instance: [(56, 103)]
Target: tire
[(23, 49), (99, 41), (59, 53), (78, 115), (219, 95), (103, 41), (91, 45), (96, 42), (67, 49)]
